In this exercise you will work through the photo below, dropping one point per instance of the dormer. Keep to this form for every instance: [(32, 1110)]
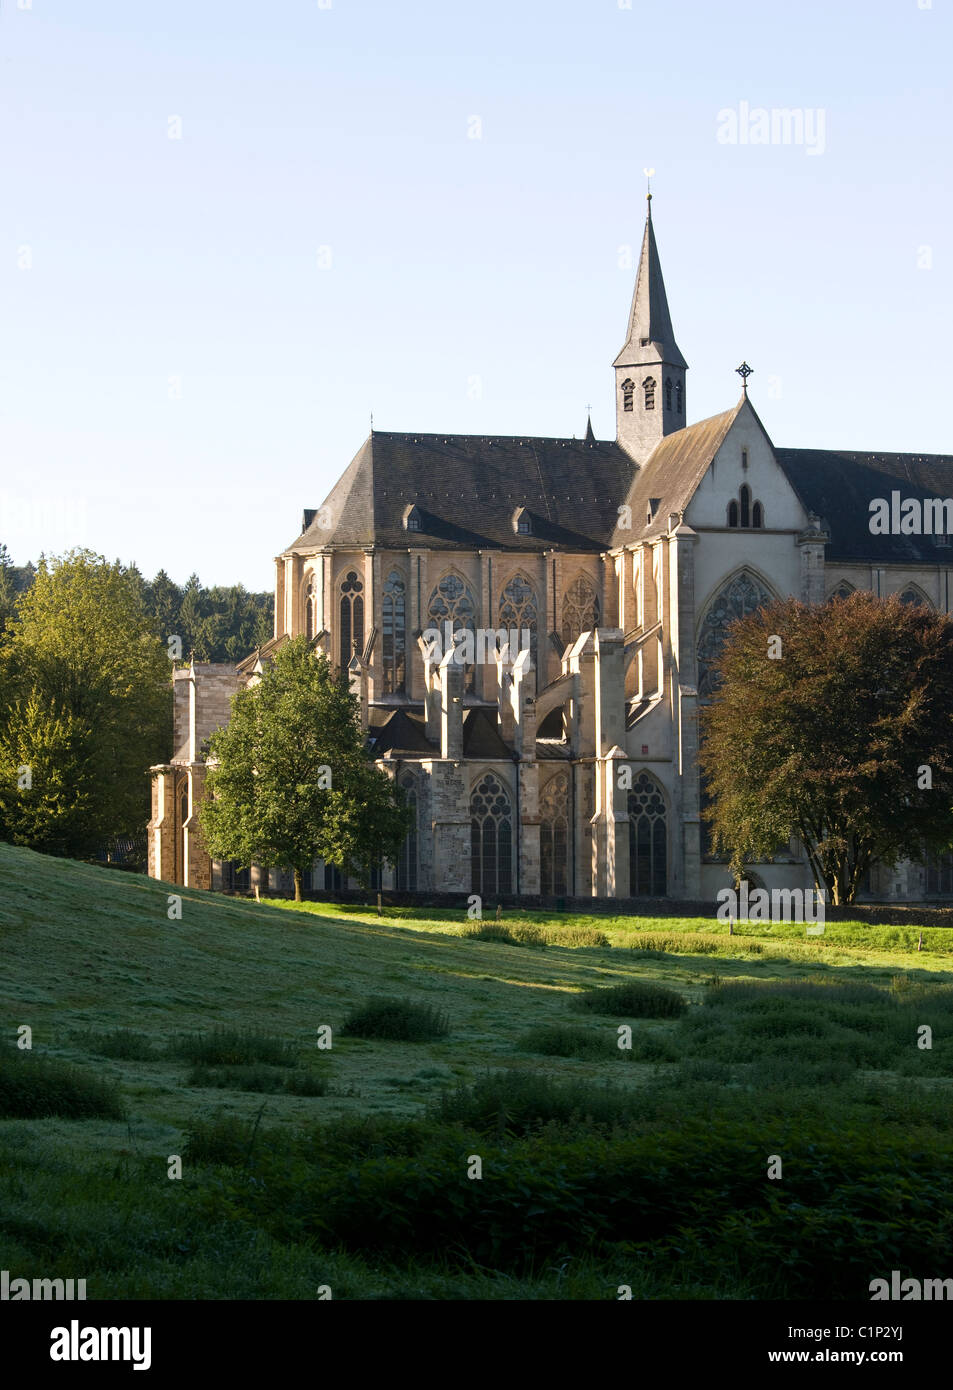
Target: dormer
[(413, 519), (522, 522)]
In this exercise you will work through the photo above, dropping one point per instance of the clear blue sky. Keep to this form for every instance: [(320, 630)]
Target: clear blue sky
[(474, 284)]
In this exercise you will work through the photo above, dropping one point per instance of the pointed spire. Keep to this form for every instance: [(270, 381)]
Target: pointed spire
[(590, 437), (651, 336)]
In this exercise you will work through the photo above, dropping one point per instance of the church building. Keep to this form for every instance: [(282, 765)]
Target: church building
[(619, 563)]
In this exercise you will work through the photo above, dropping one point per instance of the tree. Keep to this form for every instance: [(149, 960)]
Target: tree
[(85, 708), (288, 779), (843, 737), (8, 591), (191, 615), (164, 601), (369, 823)]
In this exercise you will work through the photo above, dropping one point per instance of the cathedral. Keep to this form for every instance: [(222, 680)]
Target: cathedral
[(562, 765)]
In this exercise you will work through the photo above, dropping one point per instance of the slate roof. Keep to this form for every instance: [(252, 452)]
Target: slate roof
[(482, 737), (671, 474), (264, 653), (400, 732), (403, 732), (467, 488), (839, 487)]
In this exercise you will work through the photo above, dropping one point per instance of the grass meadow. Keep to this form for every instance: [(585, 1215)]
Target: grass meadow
[(474, 1129)]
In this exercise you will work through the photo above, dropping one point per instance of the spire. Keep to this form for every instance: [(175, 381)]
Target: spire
[(590, 437), (651, 336), (650, 369)]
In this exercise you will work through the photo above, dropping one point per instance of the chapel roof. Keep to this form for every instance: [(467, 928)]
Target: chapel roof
[(839, 486), (467, 489)]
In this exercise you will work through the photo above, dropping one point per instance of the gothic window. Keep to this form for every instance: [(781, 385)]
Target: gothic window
[(914, 596), (311, 609), (491, 839), (648, 386), (554, 836), (352, 616), (668, 393), (628, 394), (939, 875), (679, 398), (518, 609), (407, 860), (580, 609), (648, 853), (743, 594), (843, 590), (452, 602), (742, 512), (394, 633)]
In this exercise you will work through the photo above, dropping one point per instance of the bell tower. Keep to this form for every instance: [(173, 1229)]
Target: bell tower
[(650, 369)]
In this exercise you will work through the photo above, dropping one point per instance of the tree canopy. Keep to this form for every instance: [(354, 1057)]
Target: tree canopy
[(834, 724), (223, 623), (289, 781), (85, 708)]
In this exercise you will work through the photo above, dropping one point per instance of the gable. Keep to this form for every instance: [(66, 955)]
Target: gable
[(746, 442)]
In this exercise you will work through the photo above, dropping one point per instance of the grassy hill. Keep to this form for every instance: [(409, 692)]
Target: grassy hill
[(301, 1167)]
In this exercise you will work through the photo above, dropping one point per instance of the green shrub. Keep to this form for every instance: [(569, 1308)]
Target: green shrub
[(692, 1198), (654, 1047), (222, 1139), (557, 1040), (576, 937), (122, 1043), (825, 991), (517, 934), (659, 944), (232, 1047), (33, 1087), (398, 1020), (517, 1101), (633, 999)]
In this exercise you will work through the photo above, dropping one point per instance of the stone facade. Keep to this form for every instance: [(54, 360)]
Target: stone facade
[(569, 769)]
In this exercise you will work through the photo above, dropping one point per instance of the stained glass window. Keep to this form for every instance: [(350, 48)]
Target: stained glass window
[(491, 838), (648, 854), (743, 594)]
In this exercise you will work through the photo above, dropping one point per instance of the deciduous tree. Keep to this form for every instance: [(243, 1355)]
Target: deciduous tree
[(843, 737), (289, 781), (85, 708)]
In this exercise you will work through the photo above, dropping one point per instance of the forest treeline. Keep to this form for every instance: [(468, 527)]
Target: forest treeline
[(221, 623)]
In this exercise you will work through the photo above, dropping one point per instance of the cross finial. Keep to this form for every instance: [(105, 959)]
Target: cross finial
[(648, 186), (744, 371)]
